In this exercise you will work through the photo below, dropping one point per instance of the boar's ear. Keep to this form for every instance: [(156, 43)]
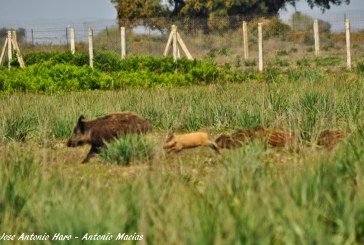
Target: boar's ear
[(81, 118), (81, 124)]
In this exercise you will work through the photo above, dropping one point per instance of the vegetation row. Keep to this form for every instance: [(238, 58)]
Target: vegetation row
[(60, 72)]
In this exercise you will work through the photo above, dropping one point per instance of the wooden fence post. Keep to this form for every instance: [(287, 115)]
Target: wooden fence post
[(90, 47), (348, 53), (32, 34), (245, 41), (122, 35), (316, 36), (72, 40), (10, 50), (14, 41), (174, 43), (2, 56), (260, 46)]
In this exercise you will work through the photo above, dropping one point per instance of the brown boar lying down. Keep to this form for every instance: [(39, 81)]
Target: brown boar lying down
[(104, 129), (177, 143)]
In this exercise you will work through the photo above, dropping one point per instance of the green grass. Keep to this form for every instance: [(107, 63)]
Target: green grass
[(127, 149), (252, 195)]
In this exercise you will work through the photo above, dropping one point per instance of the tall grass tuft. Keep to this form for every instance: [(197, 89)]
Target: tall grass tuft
[(127, 149), (61, 128), (19, 127)]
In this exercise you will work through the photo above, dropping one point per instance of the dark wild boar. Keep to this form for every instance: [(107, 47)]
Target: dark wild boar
[(104, 129)]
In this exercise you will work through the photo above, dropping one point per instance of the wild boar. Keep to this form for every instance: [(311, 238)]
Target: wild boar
[(225, 141), (274, 138), (234, 140), (241, 135), (104, 129), (329, 138), (177, 143)]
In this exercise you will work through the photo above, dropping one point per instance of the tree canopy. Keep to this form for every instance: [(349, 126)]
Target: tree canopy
[(130, 10)]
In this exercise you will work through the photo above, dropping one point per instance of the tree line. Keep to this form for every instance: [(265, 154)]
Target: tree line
[(131, 11)]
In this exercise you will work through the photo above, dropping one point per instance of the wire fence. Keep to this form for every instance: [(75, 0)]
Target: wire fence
[(220, 39)]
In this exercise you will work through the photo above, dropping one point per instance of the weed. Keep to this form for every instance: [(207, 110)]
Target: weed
[(282, 52)]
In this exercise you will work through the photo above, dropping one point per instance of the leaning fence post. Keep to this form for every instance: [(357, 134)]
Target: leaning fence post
[(245, 40), (72, 40), (316, 36), (175, 51), (90, 47), (260, 46), (10, 50), (348, 53), (15, 44), (122, 35)]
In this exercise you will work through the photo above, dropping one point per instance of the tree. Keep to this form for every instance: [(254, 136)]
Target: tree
[(130, 10), (20, 33), (303, 22)]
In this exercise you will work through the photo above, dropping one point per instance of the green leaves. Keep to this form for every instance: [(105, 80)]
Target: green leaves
[(47, 77), (62, 72)]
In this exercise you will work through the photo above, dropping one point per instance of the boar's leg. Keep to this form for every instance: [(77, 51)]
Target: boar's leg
[(214, 147), (94, 150)]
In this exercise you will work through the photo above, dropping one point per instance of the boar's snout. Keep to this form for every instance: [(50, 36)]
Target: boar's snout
[(71, 144)]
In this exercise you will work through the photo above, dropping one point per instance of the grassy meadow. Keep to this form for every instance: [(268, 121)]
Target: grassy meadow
[(255, 194)]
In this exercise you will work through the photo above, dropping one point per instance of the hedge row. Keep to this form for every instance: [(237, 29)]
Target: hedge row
[(59, 72)]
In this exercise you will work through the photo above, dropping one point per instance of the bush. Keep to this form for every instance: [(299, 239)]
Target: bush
[(328, 61), (360, 67), (67, 72), (48, 77)]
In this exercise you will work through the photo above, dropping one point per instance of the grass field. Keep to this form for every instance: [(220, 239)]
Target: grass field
[(255, 194)]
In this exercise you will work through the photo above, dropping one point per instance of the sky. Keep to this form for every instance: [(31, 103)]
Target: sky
[(36, 10), (103, 9), (11, 10)]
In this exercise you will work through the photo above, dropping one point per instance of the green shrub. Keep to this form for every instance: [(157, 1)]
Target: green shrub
[(48, 77), (293, 50), (360, 67), (280, 62), (37, 57), (79, 59), (67, 72), (250, 62), (107, 61), (328, 61), (303, 62), (282, 52), (310, 50), (127, 149)]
